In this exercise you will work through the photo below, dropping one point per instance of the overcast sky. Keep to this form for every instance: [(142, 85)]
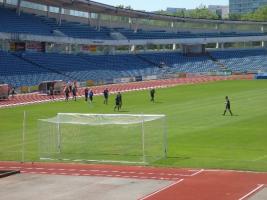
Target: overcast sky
[(153, 5)]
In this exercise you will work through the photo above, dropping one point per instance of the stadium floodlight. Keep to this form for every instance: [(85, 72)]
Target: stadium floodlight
[(123, 138)]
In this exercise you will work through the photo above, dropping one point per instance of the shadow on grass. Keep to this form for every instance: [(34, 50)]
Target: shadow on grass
[(122, 111)]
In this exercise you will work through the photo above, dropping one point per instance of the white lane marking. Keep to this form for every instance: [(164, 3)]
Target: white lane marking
[(14, 167), (75, 174), (160, 190), (251, 192), (198, 172)]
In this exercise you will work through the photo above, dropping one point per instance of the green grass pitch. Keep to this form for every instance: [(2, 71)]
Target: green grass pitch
[(198, 135)]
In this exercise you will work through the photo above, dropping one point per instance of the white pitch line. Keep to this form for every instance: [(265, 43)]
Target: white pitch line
[(14, 167), (260, 158), (75, 174), (253, 191), (198, 172), (160, 190)]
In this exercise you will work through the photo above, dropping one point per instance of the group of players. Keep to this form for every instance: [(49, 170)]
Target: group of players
[(71, 88), (88, 94)]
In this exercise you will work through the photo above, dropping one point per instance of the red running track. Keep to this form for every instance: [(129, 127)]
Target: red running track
[(188, 184), (34, 98)]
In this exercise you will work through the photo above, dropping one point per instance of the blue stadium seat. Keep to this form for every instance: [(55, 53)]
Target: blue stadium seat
[(243, 60)]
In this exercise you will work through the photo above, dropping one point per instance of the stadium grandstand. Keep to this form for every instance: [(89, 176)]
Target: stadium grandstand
[(88, 41)]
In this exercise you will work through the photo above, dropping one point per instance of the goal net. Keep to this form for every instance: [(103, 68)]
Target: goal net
[(124, 138)]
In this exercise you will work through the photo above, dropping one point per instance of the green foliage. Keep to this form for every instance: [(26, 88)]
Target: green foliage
[(234, 16), (198, 13), (259, 15), (125, 7), (201, 13)]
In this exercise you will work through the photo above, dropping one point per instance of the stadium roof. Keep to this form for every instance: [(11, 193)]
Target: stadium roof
[(92, 6)]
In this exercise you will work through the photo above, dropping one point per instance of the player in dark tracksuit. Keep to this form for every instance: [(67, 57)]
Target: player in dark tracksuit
[(152, 94), (91, 94), (74, 92), (51, 92), (67, 93), (86, 91), (118, 101), (106, 93), (227, 106)]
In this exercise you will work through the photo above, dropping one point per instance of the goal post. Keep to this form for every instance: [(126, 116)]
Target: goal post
[(122, 138)]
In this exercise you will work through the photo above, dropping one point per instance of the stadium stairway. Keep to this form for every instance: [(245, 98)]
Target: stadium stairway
[(147, 60), (117, 36), (214, 60)]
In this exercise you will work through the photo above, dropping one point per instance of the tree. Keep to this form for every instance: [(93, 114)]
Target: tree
[(234, 16), (124, 7), (259, 15), (201, 13)]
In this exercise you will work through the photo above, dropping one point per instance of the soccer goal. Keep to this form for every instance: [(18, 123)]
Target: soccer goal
[(123, 138)]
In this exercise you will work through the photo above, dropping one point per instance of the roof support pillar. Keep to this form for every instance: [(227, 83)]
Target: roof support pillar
[(130, 22), (4, 3), (98, 22), (135, 25), (172, 26), (132, 48), (217, 27), (47, 11), (174, 46), (89, 19), (18, 7), (59, 17), (262, 42)]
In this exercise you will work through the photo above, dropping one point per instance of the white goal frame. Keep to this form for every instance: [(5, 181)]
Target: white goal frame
[(100, 120)]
